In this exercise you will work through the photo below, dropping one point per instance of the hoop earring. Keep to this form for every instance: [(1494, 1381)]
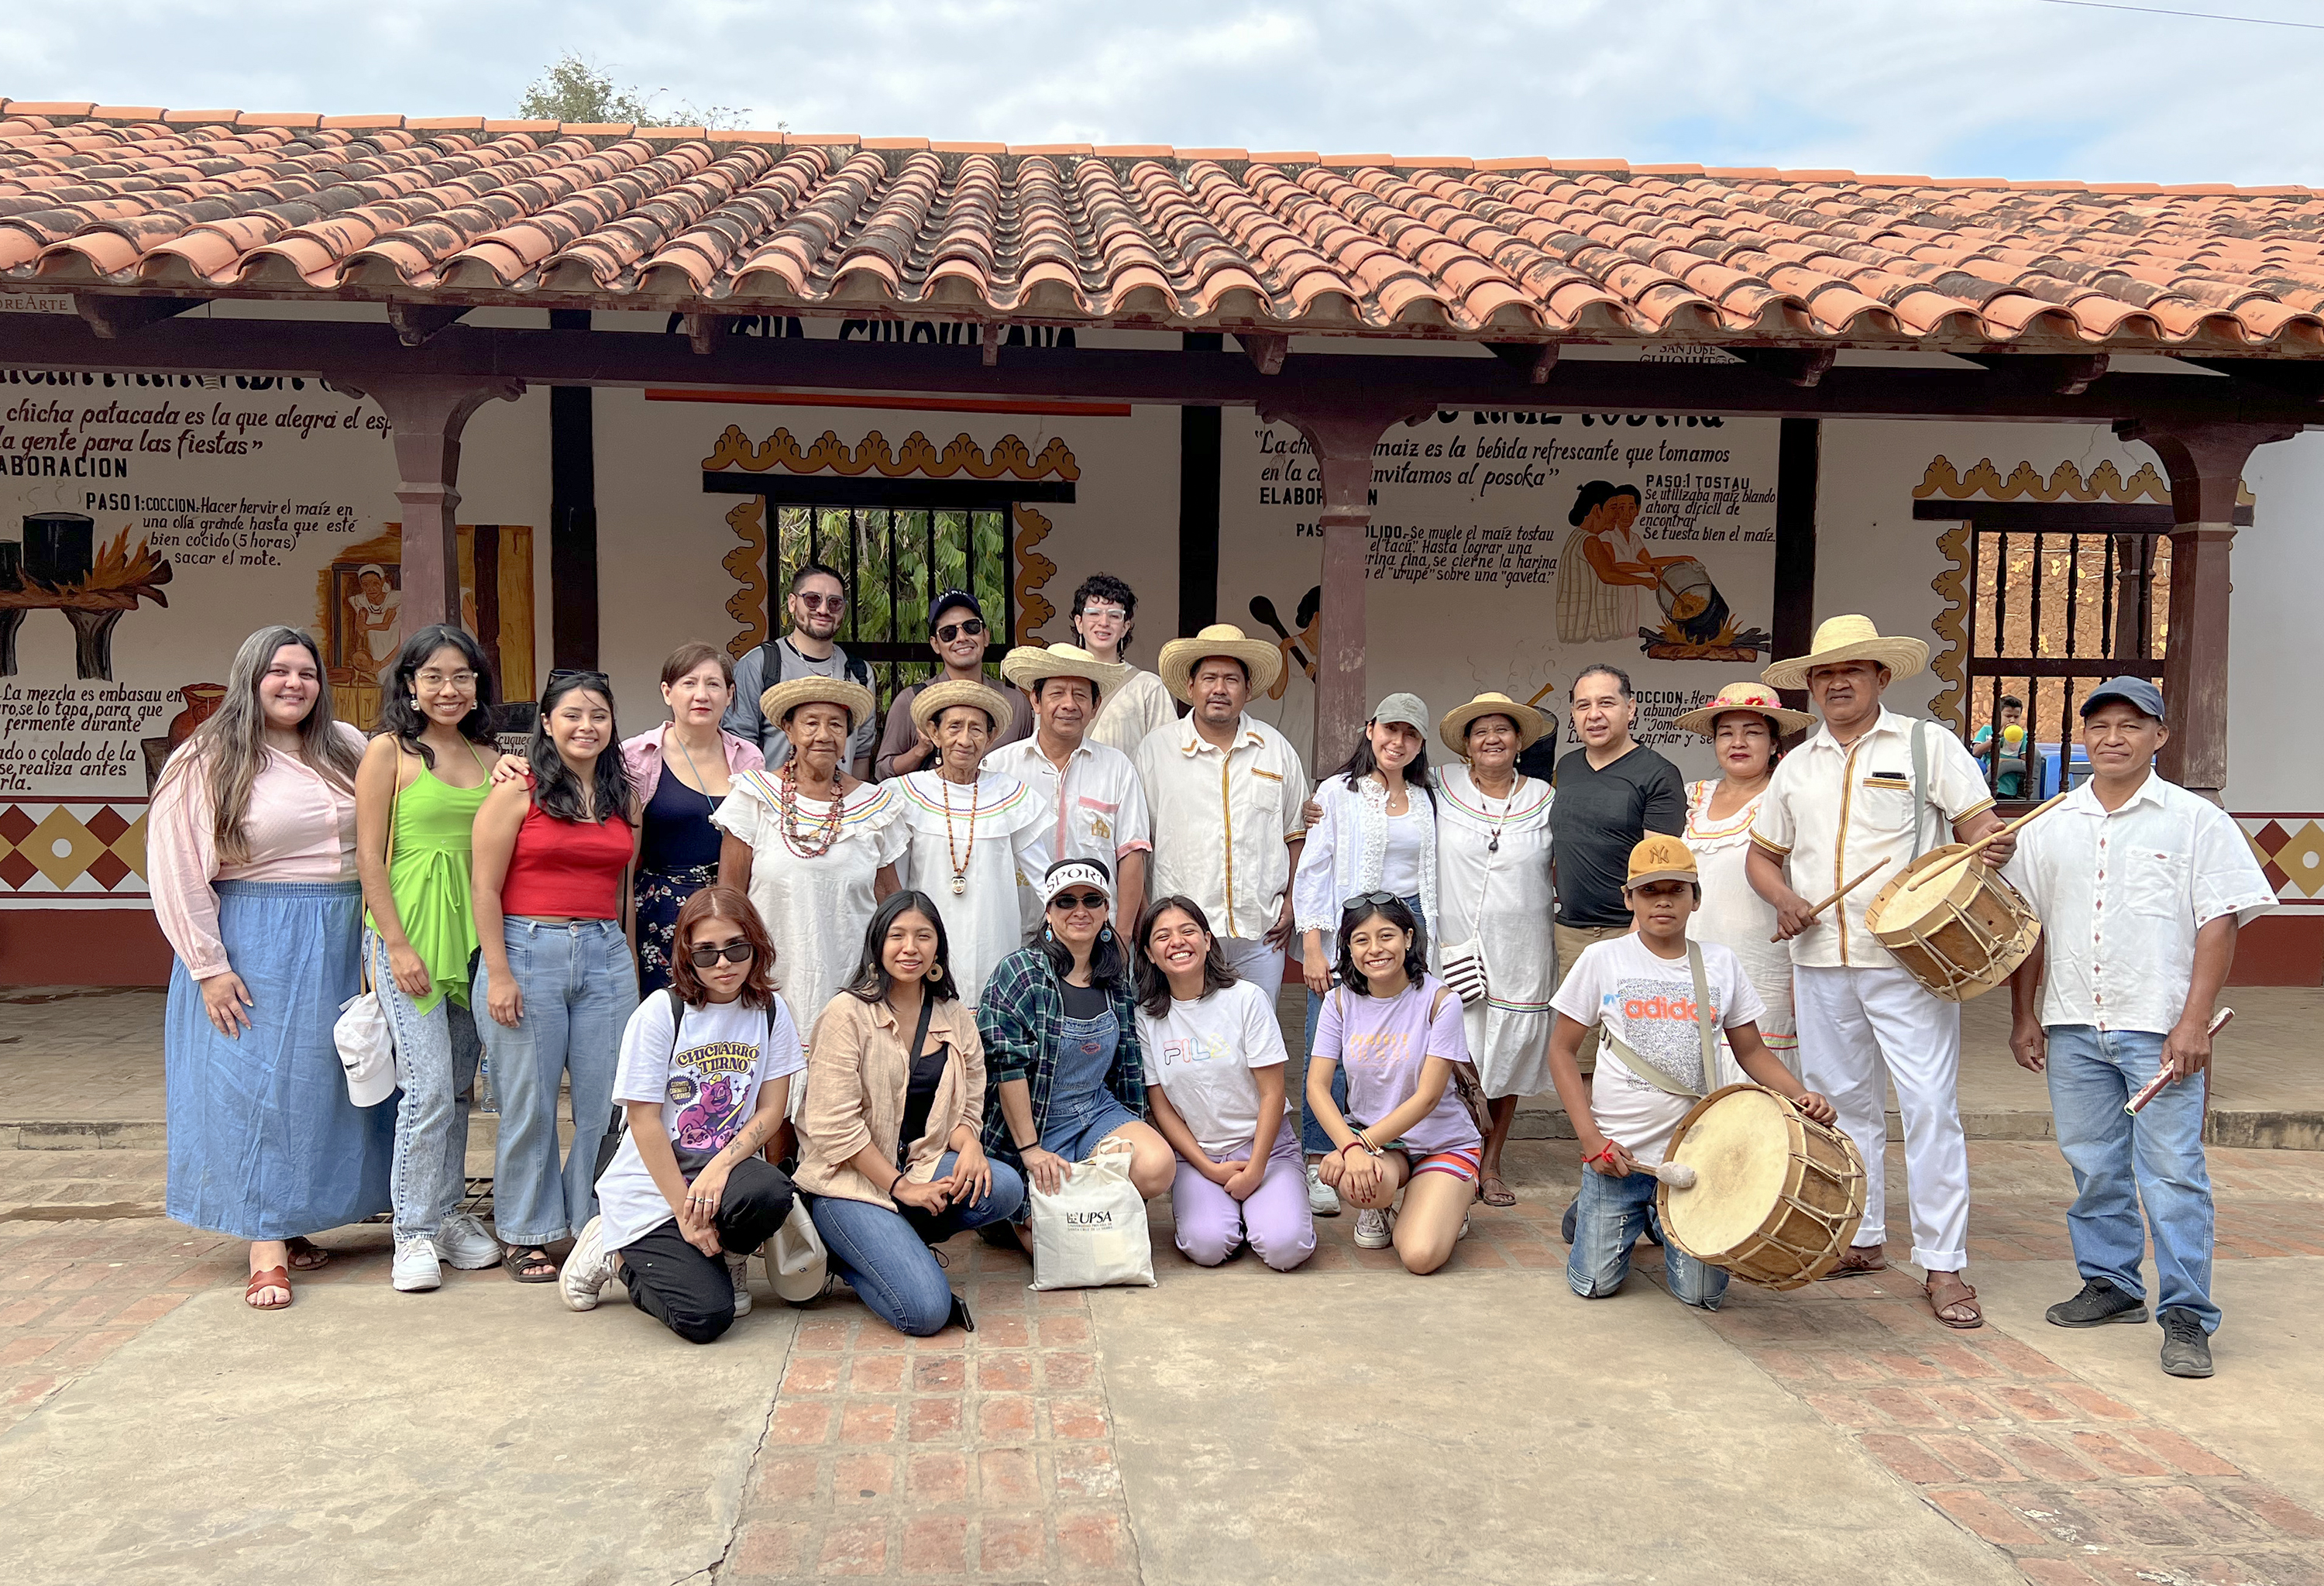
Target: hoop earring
[(935, 972)]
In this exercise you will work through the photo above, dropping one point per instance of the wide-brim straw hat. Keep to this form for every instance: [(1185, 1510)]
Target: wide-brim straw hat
[(1029, 664), (1532, 724), (1180, 656), (1756, 698), (1847, 638), (937, 698), (855, 699)]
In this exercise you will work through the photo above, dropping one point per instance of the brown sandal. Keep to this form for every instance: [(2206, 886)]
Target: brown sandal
[(306, 1255), (267, 1277), (1493, 1192), (1860, 1261), (1967, 1302)]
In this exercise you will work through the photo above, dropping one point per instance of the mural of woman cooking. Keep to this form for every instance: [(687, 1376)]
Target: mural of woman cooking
[(1604, 563)]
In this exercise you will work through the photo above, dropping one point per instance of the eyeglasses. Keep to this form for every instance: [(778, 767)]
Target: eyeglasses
[(1092, 900), (463, 681), (1104, 613), (707, 957), (1375, 900), (972, 626), (822, 603)]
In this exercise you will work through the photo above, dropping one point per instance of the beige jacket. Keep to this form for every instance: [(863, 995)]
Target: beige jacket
[(857, 1072)]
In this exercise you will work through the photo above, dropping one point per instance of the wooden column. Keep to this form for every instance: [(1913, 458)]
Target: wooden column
[(2205, 464), (1342, 440), (1798, 467), (1200, 437), (426, 415)]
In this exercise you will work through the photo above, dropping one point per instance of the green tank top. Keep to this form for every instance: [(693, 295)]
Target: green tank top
[(428, 877)]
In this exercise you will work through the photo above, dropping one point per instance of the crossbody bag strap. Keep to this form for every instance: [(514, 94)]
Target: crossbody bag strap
[(912, 1061), (394, 795), (1644, 1069)]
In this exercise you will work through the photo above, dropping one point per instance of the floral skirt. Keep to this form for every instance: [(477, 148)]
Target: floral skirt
[(660, 898)]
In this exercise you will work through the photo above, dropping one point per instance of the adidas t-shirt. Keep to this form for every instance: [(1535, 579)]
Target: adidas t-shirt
[(708, 1088), (1649, 1001)]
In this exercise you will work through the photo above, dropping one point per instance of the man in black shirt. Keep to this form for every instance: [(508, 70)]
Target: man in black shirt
[(1610, 793)]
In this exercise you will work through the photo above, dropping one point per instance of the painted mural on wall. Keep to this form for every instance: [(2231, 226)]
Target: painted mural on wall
[(1509, 550), (147, 525)]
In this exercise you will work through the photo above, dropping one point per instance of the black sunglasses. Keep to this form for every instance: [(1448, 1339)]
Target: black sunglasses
[(579, 674), (1078, 901), (733, 953), (1377, 900), (972, 626)]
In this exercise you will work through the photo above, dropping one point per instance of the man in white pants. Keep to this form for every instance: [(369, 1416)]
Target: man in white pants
[(1868, 788)]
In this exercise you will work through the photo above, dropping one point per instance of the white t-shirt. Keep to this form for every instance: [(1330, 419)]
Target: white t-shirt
[(708, 1089), (1407, 841), (1201, 1054), (1649, 1003)]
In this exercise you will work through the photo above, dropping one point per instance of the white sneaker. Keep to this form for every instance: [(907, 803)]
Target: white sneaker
[(1372, 1231), (1322, 1199), (415, 1268), (463, 1242), (587, 1270), (738, 1267), (1463, 1233)]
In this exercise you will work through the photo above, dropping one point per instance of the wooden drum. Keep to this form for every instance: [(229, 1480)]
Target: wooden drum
[(1776, 1198), (1960, 934)]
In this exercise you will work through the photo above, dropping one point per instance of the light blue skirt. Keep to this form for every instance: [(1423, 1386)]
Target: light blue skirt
[(263, 1142)]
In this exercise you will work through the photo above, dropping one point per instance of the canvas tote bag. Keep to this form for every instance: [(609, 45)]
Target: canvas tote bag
[(1092, 1232)]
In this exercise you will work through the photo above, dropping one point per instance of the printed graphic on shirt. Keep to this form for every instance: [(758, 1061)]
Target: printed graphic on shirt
[(1195, 1048), (704, 1087), (1661, 1026), (1382, 1049)]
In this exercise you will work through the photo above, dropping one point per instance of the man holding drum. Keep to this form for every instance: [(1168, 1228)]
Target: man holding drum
[(2128, 996), (1860, 794)]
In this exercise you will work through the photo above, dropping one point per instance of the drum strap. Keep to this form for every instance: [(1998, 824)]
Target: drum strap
[(1706, 1027), (1920, 781)]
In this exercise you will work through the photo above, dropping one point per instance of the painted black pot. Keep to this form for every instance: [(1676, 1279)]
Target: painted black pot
[(59, 547)]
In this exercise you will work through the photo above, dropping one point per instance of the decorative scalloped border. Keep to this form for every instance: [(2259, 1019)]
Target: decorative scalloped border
[(748, 563), (1010, 456), (1033, 571), (1953, 626)]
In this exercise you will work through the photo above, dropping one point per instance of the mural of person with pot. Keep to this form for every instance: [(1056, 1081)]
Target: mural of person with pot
[(1603, 566)]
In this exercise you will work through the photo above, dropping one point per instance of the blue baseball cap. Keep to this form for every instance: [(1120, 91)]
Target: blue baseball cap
[(2139, 694)]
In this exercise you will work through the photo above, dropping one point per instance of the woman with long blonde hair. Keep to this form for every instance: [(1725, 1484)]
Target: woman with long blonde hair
[(252, 845)]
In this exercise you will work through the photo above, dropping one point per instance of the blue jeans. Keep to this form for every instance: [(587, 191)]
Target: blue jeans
[(1609, 1216), (885, 1257), (436, 1054), (1312, 1137), (580, 986), (2120, 1161)]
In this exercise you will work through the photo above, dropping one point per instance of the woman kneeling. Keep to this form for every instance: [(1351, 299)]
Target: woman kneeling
[(888, 1139), (1214, 1063), (705, 1076), (1400, 1037)]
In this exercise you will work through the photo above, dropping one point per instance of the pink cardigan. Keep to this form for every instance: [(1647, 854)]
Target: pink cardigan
[(642, 758)]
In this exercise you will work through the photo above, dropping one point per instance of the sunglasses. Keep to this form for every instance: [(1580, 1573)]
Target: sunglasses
[(822, 603), (1092, 900), (582, 675), (971, 626), (707, 957), (1363, 899)]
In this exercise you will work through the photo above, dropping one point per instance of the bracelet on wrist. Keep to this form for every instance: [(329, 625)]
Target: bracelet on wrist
[(895, 1181)]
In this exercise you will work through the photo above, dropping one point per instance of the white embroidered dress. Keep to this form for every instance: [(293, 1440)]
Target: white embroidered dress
[(1346, 853), (1736, 918), (1502, 900), (983, 828)]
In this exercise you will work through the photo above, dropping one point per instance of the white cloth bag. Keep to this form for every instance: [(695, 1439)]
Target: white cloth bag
[(1092, 1232), (796, 1261)]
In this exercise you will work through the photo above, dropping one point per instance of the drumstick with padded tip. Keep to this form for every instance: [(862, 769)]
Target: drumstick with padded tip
[(1996, 835), (2155, 1086), (1862, 877), (1677, 1175)]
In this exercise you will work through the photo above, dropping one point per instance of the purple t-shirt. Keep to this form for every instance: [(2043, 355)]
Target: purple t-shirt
[(1382, 1045)]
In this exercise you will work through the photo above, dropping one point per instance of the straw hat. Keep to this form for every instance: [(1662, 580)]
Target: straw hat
[(1027, 665), (1455, 728), (1847, 638), (937, 698), (853, 698), (1180, 656), (1757, 697)]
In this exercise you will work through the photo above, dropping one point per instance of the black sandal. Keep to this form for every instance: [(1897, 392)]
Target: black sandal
[(517, 1259)]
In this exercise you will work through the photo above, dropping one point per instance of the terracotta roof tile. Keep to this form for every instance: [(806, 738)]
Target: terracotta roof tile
[(221, 203)]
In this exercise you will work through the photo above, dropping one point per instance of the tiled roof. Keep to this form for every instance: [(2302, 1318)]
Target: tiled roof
[(218, 203)]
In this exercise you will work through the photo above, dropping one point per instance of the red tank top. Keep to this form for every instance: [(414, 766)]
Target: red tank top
[(571, 869)]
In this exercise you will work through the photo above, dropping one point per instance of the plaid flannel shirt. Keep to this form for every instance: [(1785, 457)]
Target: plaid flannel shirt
[(1019, 1015)]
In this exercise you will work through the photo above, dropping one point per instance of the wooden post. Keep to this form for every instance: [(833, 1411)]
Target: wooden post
[(2205, 464), (1342, 440), (426, 415)]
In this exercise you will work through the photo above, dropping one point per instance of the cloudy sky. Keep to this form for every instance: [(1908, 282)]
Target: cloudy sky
[(1947, 87)]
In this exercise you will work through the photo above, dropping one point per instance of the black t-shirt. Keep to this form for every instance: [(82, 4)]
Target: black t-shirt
[(1598, 817), (1085, 1002)]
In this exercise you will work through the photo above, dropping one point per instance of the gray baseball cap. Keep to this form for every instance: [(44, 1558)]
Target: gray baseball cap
[(1405, 708), (2137, 693)]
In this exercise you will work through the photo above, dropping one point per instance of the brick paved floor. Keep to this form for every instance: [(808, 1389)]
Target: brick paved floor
[(992, 1456)]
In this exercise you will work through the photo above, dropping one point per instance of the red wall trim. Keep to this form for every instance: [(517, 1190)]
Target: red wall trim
[(82, 947), (2280, 949)]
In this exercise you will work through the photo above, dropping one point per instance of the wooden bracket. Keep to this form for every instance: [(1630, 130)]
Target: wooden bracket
[(989, 336), (416, 322), (703, 331), (113, 318), (1266, 350), (2059, 373), (1801, 367), (1536, 358)]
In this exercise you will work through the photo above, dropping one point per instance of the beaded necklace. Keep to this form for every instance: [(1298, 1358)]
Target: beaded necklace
[(960, 861), (815, 841)]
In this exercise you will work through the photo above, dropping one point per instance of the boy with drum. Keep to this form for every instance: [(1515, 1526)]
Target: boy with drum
[(1660, 1001), (2128, 997)]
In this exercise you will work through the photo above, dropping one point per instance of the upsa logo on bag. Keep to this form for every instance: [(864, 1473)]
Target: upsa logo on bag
[(1089, 1220)]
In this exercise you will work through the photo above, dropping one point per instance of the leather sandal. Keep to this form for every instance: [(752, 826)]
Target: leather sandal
[(522, 1262), (1966, 1301), (1860, 1261), (267, 1277), (306, 1255), (1493, 1192)]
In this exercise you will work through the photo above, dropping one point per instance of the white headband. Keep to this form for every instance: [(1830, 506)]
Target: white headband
[(1079, 873)]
